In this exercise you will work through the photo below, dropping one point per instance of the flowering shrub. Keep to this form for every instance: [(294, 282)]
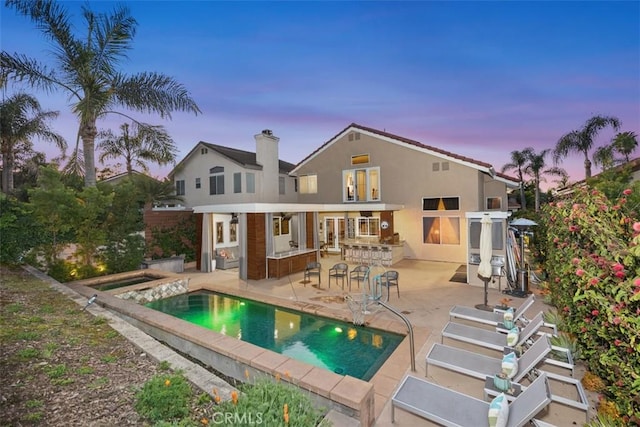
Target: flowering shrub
[(593, 266)]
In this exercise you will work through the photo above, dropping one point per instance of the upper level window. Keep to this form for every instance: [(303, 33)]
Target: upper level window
[(237, 182), (180, 188), (216, 180), (441, 204), (251, 182), (308, 184), (359, 159), (203, 151), (281, 184), (361, 185), (494, 203), (198, 183)]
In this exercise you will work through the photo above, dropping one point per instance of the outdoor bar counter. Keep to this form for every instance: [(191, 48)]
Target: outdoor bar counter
[(371, 252), (281, 264)]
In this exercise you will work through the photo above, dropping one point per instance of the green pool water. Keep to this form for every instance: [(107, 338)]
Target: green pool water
[(334, 345)]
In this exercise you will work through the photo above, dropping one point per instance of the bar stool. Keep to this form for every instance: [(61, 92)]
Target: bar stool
[(365, 254), (387, 256), (374, 254), (356, 254), (346, 254)]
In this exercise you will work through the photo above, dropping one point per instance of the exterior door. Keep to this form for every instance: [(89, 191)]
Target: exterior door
[(334, 233)]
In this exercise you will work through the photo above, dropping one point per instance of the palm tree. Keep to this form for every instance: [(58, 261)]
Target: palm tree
[(138, 142), (21, 119), (153, 191), (581, 140), (603, 156), (86, 68), (536, 167), (518, 163), (625, 143)]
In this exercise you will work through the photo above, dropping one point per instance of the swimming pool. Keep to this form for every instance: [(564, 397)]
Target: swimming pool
[(338, 346)]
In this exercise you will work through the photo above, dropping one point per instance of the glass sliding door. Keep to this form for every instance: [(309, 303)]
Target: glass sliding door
[(334, 232)]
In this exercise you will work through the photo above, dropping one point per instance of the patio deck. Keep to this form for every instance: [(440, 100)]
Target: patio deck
[(426, 295)]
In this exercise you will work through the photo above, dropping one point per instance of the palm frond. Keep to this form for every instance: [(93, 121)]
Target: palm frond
[(22, 68), (113, 36), (153, 93), (75, 165)]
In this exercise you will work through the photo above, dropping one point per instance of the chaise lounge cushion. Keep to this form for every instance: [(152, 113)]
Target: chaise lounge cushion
[(499, 411), (507, 318), (510, 365), (513, 336)]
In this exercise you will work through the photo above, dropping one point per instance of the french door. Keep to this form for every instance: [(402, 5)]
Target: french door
[(334, 232)]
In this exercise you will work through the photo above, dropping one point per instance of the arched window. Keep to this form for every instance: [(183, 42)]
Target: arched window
[(216, 180)]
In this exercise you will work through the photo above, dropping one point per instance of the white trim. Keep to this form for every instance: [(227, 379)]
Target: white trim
[(295, 207)]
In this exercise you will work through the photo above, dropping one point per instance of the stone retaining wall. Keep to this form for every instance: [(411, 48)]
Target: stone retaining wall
[(165, 290)]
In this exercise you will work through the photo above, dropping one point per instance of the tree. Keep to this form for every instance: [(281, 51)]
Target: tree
[(138, 142), (603, 156), (581, 140), (19, 230), (518, 163), (54, 207), (86, 68), (21, 119), (153, 191), (625, 143), (535, 167)]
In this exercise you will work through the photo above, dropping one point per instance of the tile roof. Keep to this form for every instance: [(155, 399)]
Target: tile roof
[(245, 158)]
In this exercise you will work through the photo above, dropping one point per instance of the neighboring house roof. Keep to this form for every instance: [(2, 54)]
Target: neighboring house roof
[(119, 177), (633, 164), (477, 164), (246, 159)]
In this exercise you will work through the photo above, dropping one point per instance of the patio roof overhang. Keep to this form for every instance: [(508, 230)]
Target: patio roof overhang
[(295, 207)]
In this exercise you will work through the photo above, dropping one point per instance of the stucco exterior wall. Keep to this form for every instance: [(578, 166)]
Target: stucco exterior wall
[(407, 175), (198, 166)]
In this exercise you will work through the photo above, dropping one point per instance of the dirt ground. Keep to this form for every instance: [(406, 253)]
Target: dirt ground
[(61, 366)]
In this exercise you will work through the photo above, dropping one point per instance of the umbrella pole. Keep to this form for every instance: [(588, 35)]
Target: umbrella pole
[(486, 305)]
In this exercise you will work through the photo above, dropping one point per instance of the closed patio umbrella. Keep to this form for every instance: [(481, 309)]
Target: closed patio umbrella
[(486, 252)]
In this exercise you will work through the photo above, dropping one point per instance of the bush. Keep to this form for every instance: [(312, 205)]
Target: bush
[(593, 263), (165, 397), (270, 403), (19, 230)]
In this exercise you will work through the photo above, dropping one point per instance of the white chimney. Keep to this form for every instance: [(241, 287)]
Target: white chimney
[(268, 157)]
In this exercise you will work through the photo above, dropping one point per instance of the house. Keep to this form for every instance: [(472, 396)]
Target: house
[(364, 192), (436, 189), (632, 166), (216, 175)]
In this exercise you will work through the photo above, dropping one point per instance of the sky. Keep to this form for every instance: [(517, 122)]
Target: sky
[(479, 79)]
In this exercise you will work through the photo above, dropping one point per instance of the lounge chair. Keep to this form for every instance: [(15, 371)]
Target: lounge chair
[(497, 340), (488, 317), (487, 338), (480, 366), (451, 408)]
